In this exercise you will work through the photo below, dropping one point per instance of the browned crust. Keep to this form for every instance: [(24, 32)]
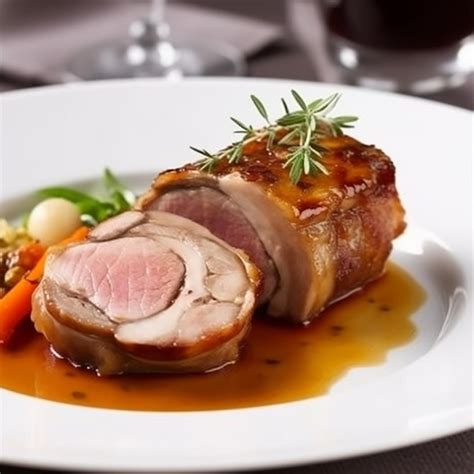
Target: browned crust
[(355, 170), (346, 220)]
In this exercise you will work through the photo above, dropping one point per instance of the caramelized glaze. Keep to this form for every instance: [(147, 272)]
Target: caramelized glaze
[(355, 172), (280, 363)]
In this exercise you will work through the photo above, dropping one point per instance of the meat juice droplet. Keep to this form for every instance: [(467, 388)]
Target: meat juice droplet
[(279, 363)]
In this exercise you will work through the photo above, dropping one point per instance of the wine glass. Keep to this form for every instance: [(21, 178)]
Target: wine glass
[(148, 52)]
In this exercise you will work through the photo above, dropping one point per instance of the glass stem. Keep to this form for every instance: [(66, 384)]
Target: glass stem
[(156, 14), (152, 30)]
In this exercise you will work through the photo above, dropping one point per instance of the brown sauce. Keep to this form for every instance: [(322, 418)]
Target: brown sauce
[(279, 363)]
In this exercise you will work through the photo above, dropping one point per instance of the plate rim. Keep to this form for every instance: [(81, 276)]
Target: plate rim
[(101, 83), (299, 459)]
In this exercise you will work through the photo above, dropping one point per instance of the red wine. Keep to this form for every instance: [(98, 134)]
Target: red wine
[(402, 24)]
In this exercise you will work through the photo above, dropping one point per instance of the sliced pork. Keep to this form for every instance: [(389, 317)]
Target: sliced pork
[(147, 292), (314, 242)]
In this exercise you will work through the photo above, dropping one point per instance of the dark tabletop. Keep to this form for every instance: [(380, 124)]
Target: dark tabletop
[(288, 60)]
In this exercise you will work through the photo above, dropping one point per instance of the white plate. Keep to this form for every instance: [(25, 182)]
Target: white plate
[(422, 391)]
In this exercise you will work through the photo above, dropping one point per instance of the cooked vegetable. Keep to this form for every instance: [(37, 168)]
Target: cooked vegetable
[(14, 275), (18, 254), (16, 304), (92, 209), (11, 238), (28, 255), (8, 233), (53, 220)]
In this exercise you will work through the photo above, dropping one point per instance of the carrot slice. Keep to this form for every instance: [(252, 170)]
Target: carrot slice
[(29, 255), (16, 304)]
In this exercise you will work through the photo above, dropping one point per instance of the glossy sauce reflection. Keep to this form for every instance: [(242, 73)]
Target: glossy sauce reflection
[(279, 363)]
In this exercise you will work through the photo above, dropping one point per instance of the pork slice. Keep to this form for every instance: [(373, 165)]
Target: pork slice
[(164, 295), (116, 226), (127, 278), (223, 217)]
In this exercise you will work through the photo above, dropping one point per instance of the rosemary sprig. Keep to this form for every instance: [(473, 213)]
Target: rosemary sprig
[(302, 129)]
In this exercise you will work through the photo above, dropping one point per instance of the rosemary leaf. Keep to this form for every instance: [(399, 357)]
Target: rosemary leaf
[(293, 118), (296, 171), (202, 152), (345, 119), (300, 131), (313, 106), (288, 138), (321, 167), (208, 164), (240, 124), (317, 150), (332, 104), (270, 140), (299, 100), (260, 107), (328, 103), (306, 163), (236, 153)]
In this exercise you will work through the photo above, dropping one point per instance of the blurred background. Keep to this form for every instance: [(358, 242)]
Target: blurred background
[(417, 47)]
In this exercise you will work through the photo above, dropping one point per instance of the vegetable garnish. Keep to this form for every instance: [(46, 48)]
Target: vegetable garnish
[(94, 210), (16, 304), (52, 220), (301, 131), (18, 254)]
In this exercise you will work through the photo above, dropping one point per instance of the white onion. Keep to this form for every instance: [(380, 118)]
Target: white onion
[(53, 220)]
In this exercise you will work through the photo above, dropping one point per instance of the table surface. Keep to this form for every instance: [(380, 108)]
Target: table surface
[(450, 455)]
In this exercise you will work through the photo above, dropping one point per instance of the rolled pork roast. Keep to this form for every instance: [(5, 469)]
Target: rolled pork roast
[(314, 242), (165, 288), (147, 292)]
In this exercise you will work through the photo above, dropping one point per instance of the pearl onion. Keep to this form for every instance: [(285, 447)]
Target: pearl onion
[(53, 220)]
